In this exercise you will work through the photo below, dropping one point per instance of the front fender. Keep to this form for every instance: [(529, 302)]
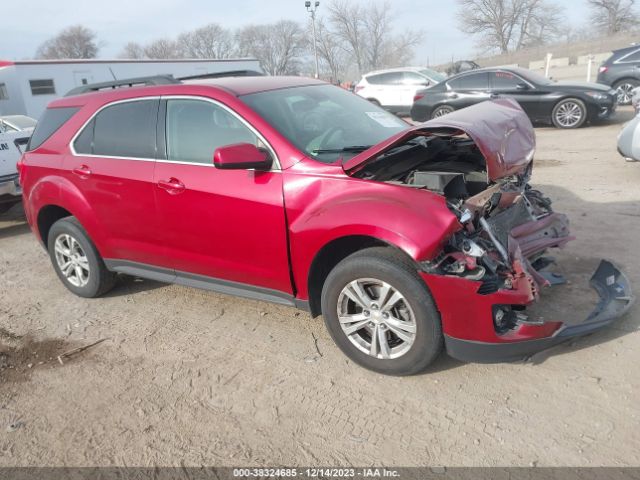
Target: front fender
[(322, 208)]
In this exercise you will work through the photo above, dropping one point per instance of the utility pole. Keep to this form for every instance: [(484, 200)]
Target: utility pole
[(312, 11)]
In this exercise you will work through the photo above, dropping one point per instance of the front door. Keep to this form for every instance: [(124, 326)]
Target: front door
[(510, 85), (218, 225)]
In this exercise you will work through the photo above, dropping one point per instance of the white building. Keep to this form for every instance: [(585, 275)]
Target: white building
[(26, 87)]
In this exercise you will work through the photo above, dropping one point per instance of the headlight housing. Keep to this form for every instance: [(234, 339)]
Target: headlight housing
[(598, 95)]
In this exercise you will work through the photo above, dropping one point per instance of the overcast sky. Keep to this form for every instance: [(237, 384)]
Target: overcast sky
[(26, 24)]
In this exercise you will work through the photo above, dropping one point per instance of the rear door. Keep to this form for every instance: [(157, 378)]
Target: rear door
[(467, 90), (509, 84), (386, 88), (222, 227), (111, 164)]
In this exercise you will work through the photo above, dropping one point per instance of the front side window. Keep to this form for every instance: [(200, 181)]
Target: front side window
[(42, 87), (323, 121), (411, 78), (196, 128), (122, 130), (472, 81)]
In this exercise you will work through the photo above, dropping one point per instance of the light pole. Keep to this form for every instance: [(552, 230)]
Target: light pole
[(312, 11)]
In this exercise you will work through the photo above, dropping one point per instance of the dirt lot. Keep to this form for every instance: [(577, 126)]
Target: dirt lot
[(195, 378)]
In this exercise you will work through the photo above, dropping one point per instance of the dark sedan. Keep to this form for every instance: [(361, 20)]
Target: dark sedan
[(564, 105)]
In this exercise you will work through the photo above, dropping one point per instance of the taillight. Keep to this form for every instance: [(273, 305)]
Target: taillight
[(418, 96), (604, 69)]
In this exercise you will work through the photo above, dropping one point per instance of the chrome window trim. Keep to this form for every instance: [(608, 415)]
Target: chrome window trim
[(622, 59), (276, 161)]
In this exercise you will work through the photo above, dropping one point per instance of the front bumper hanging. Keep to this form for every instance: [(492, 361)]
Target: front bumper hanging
[(614, 290)]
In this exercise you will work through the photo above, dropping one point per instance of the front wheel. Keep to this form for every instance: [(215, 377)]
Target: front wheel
[(569, 113), (77, 261), (380, 313)]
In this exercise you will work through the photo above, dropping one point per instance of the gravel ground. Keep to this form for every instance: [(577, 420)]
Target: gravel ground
[(187, 377)]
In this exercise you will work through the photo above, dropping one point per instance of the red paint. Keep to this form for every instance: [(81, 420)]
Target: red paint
[(262, 228)]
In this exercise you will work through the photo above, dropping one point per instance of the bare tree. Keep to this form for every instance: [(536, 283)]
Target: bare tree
[(132, 50), (613, 16), (506, 25), (210, 41), (331, 51), (72, 42), (277, 46), (163, 48), (366, 34), (347, 21)]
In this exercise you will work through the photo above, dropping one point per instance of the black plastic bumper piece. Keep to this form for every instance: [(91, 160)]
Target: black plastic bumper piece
[(616, 298)]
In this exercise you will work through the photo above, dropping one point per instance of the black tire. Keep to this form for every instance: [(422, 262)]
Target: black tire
[(100, 280), (5, 207), (441, 111), (627, 84), (565, 105), (394, 268), (375, 102)]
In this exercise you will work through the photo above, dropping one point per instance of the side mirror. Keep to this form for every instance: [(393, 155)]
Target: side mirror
[(241, 156), (522, 86)]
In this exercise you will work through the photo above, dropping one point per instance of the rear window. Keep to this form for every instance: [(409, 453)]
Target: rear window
[(52, 119), (121, 130)]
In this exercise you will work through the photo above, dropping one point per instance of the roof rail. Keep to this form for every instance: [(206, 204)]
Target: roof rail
[(229, 73), (126, 82)]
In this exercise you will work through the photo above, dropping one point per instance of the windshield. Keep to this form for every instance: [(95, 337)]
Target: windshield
[(433, 75), (19, 121), (325, 122)]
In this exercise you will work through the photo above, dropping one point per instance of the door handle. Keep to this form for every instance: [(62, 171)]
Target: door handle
[(82, 171), (173, 186), (453, 95)]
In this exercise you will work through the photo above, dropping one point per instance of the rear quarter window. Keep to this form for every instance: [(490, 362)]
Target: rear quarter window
[(50, 122)]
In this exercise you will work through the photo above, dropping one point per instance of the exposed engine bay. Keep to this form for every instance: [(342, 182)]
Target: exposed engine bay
[(507, 225)]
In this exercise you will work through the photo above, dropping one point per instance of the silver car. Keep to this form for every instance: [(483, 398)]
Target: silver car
[(629, 138)]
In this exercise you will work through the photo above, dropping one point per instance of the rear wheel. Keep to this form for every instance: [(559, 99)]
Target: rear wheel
[(624, 89), (380, 314), (569, 113), (77, 261), (442, 110)]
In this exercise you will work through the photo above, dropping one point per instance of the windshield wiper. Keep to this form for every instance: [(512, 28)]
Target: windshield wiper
[(350, 148)]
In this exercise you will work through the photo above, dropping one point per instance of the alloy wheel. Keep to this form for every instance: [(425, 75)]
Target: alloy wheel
[(376, 318), (441, 112), (72, 260), (624, 93), (569, 114)]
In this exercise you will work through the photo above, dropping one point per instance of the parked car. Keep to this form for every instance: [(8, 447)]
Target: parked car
[(12, 144), (565, 105), (17, 123), (290, 190), (635, 99), (394, 89), (629, 140), (462, 66), (622, 72)]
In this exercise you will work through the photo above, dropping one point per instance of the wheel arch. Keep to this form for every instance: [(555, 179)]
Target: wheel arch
[(333, 253)]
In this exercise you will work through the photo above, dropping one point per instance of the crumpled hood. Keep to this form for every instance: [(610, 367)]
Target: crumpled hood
[(500, 129)]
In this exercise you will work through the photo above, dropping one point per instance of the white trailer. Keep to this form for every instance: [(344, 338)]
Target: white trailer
[(26, 87)]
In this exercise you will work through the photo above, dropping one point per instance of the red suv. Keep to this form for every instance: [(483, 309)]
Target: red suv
[(290, 190)]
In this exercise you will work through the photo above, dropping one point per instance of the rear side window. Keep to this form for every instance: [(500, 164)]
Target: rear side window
[(634, 57), (472, 81), (52, 119), (122, 130), (391, 78)]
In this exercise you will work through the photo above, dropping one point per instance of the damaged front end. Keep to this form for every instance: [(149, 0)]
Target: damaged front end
[(497, 263)]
